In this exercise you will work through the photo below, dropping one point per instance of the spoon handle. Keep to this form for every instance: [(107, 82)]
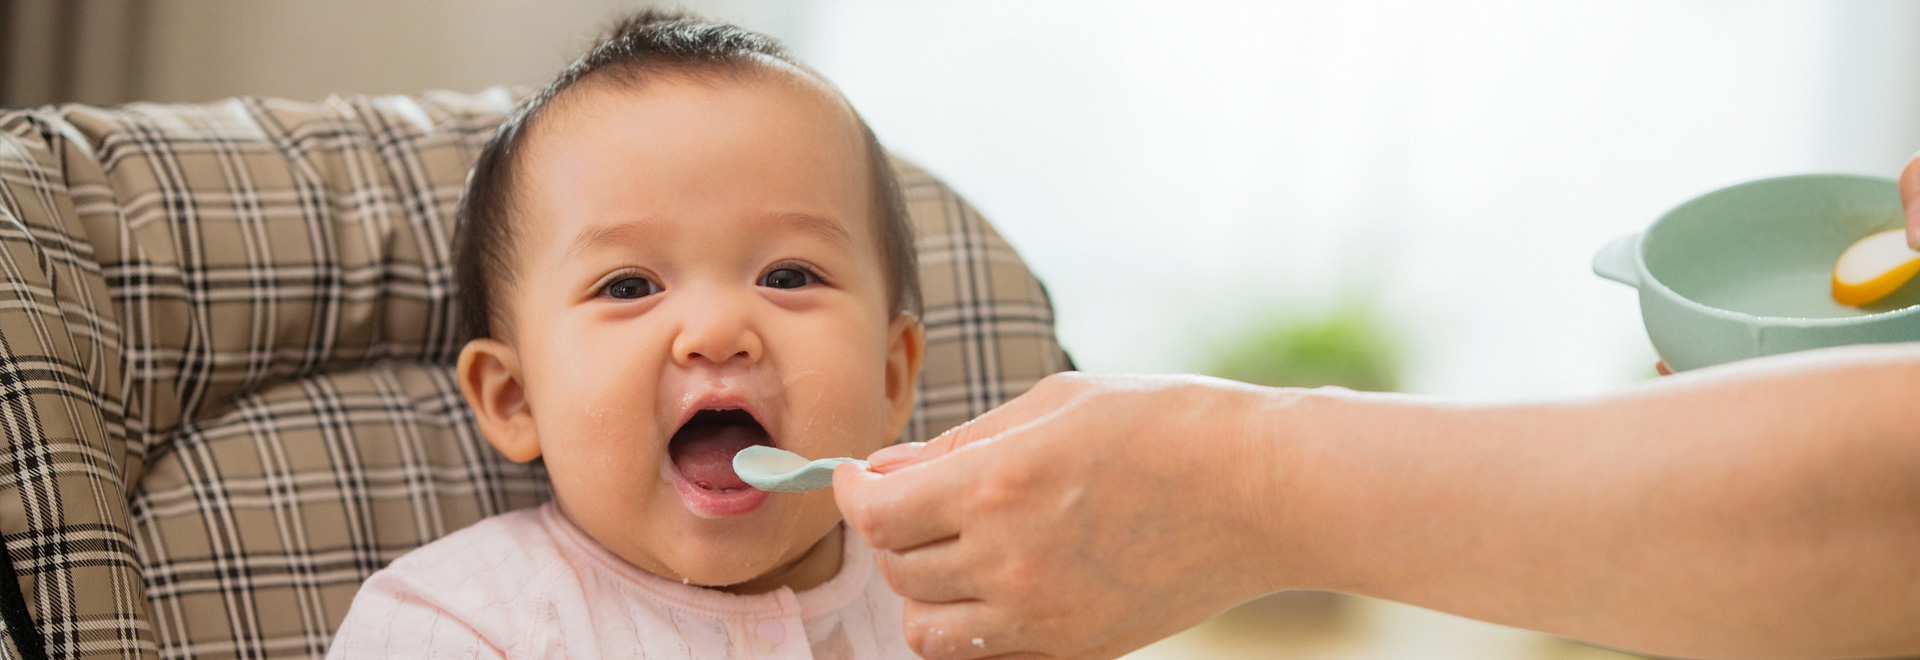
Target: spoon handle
[(815, 475)]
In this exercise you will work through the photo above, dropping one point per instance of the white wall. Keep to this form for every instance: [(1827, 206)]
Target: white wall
[(1172, 169)]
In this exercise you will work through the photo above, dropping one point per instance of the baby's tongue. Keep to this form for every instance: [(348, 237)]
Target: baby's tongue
[(704, 454)]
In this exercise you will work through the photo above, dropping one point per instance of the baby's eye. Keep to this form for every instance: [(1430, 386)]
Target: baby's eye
[(786, 278), (631, 288)]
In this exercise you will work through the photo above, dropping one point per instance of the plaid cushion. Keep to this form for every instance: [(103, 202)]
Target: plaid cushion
[(66, 462), (258, 526), (225, 357)]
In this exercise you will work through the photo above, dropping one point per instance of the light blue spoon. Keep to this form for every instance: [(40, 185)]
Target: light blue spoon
[(783, 471)]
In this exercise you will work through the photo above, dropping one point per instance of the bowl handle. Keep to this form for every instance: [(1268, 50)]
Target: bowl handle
[(1617, 261)]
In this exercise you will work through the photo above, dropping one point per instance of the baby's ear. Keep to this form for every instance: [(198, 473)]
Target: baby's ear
[(489, 376), (906, 348)]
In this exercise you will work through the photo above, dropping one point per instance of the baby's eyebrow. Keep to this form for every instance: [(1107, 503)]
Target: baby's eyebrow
[(603, 234), (823, 228), (805, 223)]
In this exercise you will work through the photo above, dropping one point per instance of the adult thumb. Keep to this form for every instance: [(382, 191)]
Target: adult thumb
[(889, 459), (896, 456), (1018, 412)]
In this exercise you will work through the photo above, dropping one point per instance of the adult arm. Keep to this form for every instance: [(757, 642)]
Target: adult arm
[(1770, 509), (1767, 509)]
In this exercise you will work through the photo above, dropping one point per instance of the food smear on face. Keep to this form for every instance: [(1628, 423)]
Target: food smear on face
[(1874, 268)]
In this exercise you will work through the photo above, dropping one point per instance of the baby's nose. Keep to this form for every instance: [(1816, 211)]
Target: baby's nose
[(716, 336)]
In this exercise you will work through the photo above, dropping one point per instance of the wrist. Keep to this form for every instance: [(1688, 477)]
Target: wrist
[(1272, 466), (1338, 471)]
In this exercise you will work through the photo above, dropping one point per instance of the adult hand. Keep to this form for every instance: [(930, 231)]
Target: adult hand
[(1910, 198), (1756, 509), (1084, 519)]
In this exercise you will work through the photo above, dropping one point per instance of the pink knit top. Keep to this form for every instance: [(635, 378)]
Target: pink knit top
[(530, 584)]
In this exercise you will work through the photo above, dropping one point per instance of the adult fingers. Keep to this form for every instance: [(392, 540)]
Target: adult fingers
[(1030, 405), (902, 510), (914, 504), (892, 456), (935, 573), (1910, 198), (967, 630)]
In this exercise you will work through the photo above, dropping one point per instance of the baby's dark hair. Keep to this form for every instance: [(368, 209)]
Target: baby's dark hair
[(639, 47)]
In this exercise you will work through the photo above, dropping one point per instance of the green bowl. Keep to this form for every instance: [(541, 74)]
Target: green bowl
[(1747, 270)]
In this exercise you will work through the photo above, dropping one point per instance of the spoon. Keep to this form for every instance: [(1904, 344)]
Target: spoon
[(779, 470), (1873, 268)]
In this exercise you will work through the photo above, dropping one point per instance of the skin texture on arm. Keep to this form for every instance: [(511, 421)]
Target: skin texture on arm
[(1770, 509)]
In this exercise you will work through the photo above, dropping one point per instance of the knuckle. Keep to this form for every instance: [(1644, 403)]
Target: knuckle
[(1050, 620), (1017, 572), (870, 521), (894, 571), (874, 535), (1060, 383), (991, 498), (898, 584), (1065, 378), (1040, 611), (1002, 489), (864, 523)]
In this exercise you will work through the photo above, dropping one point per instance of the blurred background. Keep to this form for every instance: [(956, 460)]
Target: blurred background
[(1390, 195)]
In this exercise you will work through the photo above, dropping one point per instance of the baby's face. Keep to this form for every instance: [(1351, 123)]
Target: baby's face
[(698, 270)]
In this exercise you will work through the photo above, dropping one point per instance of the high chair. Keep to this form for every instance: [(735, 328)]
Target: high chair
[(226, 346)]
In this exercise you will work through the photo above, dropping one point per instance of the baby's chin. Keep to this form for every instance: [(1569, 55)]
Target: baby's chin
[(766, 544), (751, 567)]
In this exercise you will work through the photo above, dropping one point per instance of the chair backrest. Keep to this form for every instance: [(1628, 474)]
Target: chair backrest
[(226, 333)]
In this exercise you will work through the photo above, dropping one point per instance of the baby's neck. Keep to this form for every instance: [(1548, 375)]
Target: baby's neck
[(814, 567)]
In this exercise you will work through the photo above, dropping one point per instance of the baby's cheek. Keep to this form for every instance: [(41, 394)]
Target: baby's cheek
[(818, 515), (858, 425), (603, 446)]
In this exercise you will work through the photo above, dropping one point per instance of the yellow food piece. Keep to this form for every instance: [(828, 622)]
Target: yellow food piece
[(1873, 268)]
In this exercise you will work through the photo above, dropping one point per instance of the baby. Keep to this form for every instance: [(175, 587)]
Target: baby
[(687, 244)]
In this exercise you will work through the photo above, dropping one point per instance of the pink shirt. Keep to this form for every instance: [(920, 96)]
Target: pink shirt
[(530, 584)]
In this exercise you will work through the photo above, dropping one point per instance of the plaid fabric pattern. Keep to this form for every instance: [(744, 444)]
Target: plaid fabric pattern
[(66, 462), (988, 321), (226, 337)]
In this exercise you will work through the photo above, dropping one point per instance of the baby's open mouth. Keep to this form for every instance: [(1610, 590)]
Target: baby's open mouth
[(702, 450)]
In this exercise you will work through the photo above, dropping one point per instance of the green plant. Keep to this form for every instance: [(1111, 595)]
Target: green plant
[(1348, 346)]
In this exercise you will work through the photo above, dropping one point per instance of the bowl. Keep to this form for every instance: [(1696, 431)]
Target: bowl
[(1747, 270)]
